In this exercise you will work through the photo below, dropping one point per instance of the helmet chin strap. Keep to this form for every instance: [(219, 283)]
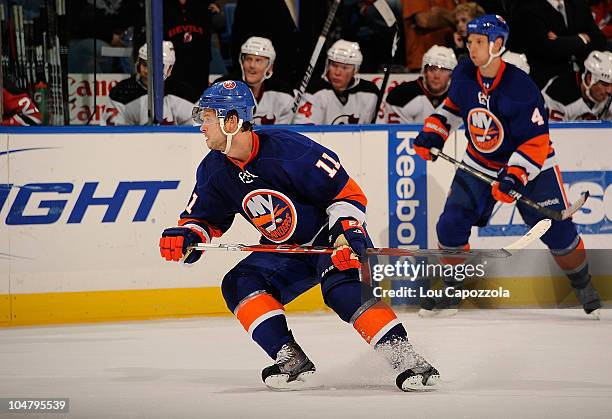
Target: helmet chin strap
[(493, 55), (229, 135)]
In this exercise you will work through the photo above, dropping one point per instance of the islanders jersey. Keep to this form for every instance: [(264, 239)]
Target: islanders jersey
[(291, 189), (273, 104), (505, 119), (565, 102), (322, 105), (411, 103)]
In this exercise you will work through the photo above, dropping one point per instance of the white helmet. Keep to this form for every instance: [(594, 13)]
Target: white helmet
[(599, 65), (442, 57), (262, 47), (519, 60), (345, 52), (168, 56), (256, 45)]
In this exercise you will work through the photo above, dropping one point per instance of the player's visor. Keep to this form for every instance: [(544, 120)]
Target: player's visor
[(204, 116)]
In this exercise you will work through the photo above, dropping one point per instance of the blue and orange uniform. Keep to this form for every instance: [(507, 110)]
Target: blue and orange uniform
[(508, 137)]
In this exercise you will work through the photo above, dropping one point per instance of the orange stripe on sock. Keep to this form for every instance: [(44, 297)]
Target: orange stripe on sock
[(373, 320), (573, 259), (255, 307)]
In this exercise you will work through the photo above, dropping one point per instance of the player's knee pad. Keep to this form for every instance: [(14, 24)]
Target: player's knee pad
[(561, 235), (346, 297), (239, 283), (454, 227)]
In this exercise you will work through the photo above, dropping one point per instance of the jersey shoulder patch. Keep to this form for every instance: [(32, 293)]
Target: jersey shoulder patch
[(277, 85), (281, 144), (404, 93), (366, 86), (518, 87), (127, 91), (564, 89), (317, 85), (181, 89)]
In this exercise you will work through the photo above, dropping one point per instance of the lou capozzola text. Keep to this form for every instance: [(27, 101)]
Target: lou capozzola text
[(413, 271)]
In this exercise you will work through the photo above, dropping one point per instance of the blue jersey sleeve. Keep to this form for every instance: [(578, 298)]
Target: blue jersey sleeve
[(529, 127), (206, 210)]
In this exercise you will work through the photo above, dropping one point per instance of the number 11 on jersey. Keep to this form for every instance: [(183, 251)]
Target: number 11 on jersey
[(331, 172)]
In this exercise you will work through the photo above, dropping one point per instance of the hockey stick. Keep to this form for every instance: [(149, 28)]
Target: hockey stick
[(555, 215), (314, 57), (535, 233), (387, 14)]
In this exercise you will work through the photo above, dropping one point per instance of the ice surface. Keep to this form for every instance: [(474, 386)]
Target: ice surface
[(495, 364)]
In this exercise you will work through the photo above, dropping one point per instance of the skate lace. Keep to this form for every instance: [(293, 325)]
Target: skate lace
[(284, 355)]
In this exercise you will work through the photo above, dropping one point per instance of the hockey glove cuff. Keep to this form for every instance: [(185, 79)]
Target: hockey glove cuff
[(349, 239), (174, 242), (510, 178), (434, 134)]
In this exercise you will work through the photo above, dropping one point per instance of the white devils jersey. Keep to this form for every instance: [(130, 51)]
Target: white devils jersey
[(130, 98), (322, 105), (564, 101), (273, 106), (410, 103)]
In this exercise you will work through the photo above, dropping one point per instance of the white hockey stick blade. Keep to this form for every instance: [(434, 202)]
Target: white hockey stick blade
[(532, 235), (568, 212), (385, 11)]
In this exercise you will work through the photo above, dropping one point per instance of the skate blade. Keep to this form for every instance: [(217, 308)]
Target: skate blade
[(305, 381), (595, 314), (415, 383), (445, 312)]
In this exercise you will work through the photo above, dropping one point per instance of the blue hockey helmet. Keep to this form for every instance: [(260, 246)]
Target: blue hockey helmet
[(493, 26), (223, 97)]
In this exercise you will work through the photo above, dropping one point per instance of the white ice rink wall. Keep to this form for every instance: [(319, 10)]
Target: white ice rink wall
[(81, 211)]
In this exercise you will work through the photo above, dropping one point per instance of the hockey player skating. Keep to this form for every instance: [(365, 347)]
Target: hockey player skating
[(340, 96), (293, 190), (273, 98), (583, 96), (507, 130), (411, 102)]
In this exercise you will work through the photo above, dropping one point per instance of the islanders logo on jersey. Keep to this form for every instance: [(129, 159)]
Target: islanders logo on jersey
[(272, 213), (486, 132), (229, 84)]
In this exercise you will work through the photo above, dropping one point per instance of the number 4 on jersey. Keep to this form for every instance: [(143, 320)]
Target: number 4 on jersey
[(537, 118)]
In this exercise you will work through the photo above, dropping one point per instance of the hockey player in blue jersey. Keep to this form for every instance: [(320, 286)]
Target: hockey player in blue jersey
[(507, 130), (294, 191)]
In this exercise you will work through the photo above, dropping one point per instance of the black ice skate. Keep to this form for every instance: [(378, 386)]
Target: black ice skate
[(292, 370), (443, 305), (415, 373), (589, 298), (410, 380)]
